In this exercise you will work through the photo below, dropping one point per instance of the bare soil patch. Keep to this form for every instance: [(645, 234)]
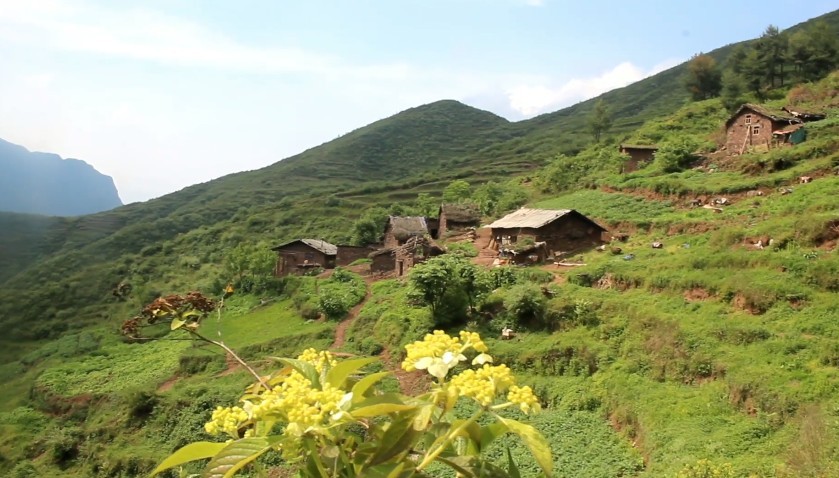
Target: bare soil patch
[(410, 383), (697, 294)]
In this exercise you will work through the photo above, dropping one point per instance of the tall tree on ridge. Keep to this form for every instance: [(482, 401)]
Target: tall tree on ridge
[(771, 48), (703, 79), (600, 121)]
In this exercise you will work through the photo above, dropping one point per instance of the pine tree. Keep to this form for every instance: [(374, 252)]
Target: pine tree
[(703, 78), (733, 90), (824, 51), (771, 48)]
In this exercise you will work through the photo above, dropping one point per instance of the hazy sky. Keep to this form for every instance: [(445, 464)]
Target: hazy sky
[(161, 94)]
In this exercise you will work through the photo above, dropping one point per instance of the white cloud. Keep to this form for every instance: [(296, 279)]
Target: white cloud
[(142, 34), (535, 3), (531, 99)]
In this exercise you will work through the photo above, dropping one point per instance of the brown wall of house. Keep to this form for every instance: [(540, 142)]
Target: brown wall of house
[(296, 254), (446, 225), (390, 240), (349, 254), (740, 135), (636, 157), (383, 263)]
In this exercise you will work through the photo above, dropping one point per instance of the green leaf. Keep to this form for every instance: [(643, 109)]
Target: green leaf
[(176, 324), (490, 432), (238, 454), (474, 467), (512, 469), (379, 405), (305, 368), (534, 440), (472, 433), (361, 387), (423, 416), (398, 439), (389, 470), (338, 374), (193, 451)]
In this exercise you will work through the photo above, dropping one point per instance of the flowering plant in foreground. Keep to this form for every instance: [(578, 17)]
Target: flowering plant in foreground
[(331, 419)]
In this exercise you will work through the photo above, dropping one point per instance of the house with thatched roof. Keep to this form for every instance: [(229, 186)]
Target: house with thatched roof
[(753, 126), (301, 255), (400, 259), (561, 231), (399, 229), (455, 218)]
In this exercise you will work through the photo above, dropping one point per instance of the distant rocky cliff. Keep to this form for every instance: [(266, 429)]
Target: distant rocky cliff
[(44, 183)]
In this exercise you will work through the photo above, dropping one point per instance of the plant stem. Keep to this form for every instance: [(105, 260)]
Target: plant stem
[(449, 438), (235, 357)]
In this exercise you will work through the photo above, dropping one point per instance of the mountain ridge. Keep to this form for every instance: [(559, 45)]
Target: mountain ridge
[(45, 183)]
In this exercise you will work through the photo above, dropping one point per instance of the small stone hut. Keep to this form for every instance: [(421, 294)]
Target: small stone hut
[(753, 125), (298, 256), (399, 229), (638, 154), (416, 250), (455, 218), (562, 230)]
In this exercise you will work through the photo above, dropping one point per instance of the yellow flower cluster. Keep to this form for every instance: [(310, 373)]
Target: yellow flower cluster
[(524, 398), (226, 420), (438, 352), (472, 339), (321, 360), (294, 400), (483, 384)]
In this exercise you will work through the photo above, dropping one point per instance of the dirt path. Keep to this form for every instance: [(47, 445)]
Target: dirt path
[(341, 330), (231, 365), (410, 383), (168, 384)]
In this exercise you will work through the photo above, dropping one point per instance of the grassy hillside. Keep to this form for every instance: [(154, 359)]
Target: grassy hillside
[(709, 348)]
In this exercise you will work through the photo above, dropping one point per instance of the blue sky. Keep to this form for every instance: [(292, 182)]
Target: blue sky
[(162, 94)]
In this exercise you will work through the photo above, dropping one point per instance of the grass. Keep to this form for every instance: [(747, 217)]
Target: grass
[(261, 324)]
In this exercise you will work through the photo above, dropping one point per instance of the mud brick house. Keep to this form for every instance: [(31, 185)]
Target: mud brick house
[(399, 229), (562, 230), (455, 218), (753, 125), (398, 260), (638, 154), (296, 257), (346, 255)]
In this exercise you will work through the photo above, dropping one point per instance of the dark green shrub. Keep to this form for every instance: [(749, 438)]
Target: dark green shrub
[(526, 304)]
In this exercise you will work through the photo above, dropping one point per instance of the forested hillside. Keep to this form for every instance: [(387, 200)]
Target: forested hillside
[(711, 354)]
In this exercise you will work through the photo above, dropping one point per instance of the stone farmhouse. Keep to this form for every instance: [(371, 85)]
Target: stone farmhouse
[(398, 260), (457, 218), (551, 231), (399, 229), (753, 126), (301, 255)]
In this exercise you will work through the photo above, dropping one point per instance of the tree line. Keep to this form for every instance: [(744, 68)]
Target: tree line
[(774, 60)]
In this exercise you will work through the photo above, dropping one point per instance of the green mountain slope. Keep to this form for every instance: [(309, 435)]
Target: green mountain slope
[(708, 348)]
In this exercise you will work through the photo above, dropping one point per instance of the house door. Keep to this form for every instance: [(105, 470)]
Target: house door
[(399, 267)]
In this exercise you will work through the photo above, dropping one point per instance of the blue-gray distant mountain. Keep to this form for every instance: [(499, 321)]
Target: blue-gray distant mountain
[(44, 183)]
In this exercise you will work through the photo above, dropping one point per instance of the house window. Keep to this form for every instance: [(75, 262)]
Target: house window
[(755, 130), (748, 119)]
